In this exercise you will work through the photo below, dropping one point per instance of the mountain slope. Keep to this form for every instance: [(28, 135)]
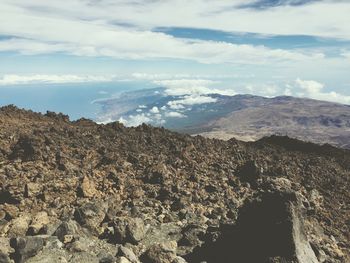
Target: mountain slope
[(83, 192), (245, 117)]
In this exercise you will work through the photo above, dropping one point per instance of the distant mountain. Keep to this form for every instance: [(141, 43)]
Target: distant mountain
[(245, 117)]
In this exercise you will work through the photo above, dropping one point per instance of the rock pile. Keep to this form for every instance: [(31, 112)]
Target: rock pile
[(83, 192)]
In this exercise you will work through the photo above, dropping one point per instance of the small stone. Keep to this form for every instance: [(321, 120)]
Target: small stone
[(179, 260), (127, 253), (2, 214), (90, 215), (135, 230), (5, 246), (123, 260), (4, 258), (39, 221), (68, 239), (88, 188), (32, 189), (19, 226), (161, 252), (106, 258), (68, 228), (11, 211)]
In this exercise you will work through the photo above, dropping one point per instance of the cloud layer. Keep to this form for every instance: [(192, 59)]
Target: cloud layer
[(125, 29), (13, 79)]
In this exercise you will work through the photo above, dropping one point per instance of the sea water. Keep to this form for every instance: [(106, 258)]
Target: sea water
[(75, 100)]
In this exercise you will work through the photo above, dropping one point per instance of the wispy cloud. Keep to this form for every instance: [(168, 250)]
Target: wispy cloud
[(49, 26), (314, 89), (13, 79), (178, 87)]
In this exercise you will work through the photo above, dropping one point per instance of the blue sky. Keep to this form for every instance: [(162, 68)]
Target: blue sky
[(269, 48)]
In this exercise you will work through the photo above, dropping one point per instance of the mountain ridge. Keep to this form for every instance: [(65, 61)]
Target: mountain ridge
[(246, 117)]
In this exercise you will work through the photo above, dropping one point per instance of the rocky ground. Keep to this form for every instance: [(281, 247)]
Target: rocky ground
[(82, 192)]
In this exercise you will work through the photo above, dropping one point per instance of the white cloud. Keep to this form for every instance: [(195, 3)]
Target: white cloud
[(135, 120), (315, 90), (175, 114), (49, 26), (154, 110), (310, 86), (178, 87), (266, 90), (13, 79), (190, 100)]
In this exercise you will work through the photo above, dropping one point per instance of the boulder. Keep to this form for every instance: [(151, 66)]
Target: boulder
[(32, 189), (88, 188), (135, 230), (129, 230), (90, 215), (39, 221), (67, 230), (128, 254), (4, 258), (19, 226), (161, 253), (26, 247)]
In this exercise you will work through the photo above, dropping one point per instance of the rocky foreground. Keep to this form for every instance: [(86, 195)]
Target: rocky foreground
[(83, 192)]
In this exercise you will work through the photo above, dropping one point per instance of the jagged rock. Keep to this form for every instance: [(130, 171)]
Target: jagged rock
[(5, 250), (135, 229), (26, 247), (129, 230), (122, 260), (11, 211), (88, 188), (39, 221), (84, 257), (19, 226), (32, 189), (66, 231), (128, 254), (106, 258), (90, 215), (179, 260), (161, 253), (4, 258), (5, 246)]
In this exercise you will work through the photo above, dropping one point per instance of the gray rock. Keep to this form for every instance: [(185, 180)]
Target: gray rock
[(50, 256), (19, 226), (84, 257), (106, 258), (4, 258), (122, 260), (90, 215), (179, 260), (135, 230), (5, 246), (26, 247), (130, 230), (39, 221), (127, 253), (68, 228), (161, 253)]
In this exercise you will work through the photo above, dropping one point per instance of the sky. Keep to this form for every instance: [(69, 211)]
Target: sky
[(263, 47)]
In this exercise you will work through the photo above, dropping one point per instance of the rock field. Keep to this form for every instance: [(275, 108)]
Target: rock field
[(83, 192)]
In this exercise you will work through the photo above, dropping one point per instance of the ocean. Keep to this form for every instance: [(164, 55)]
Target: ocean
[(75, 100)]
